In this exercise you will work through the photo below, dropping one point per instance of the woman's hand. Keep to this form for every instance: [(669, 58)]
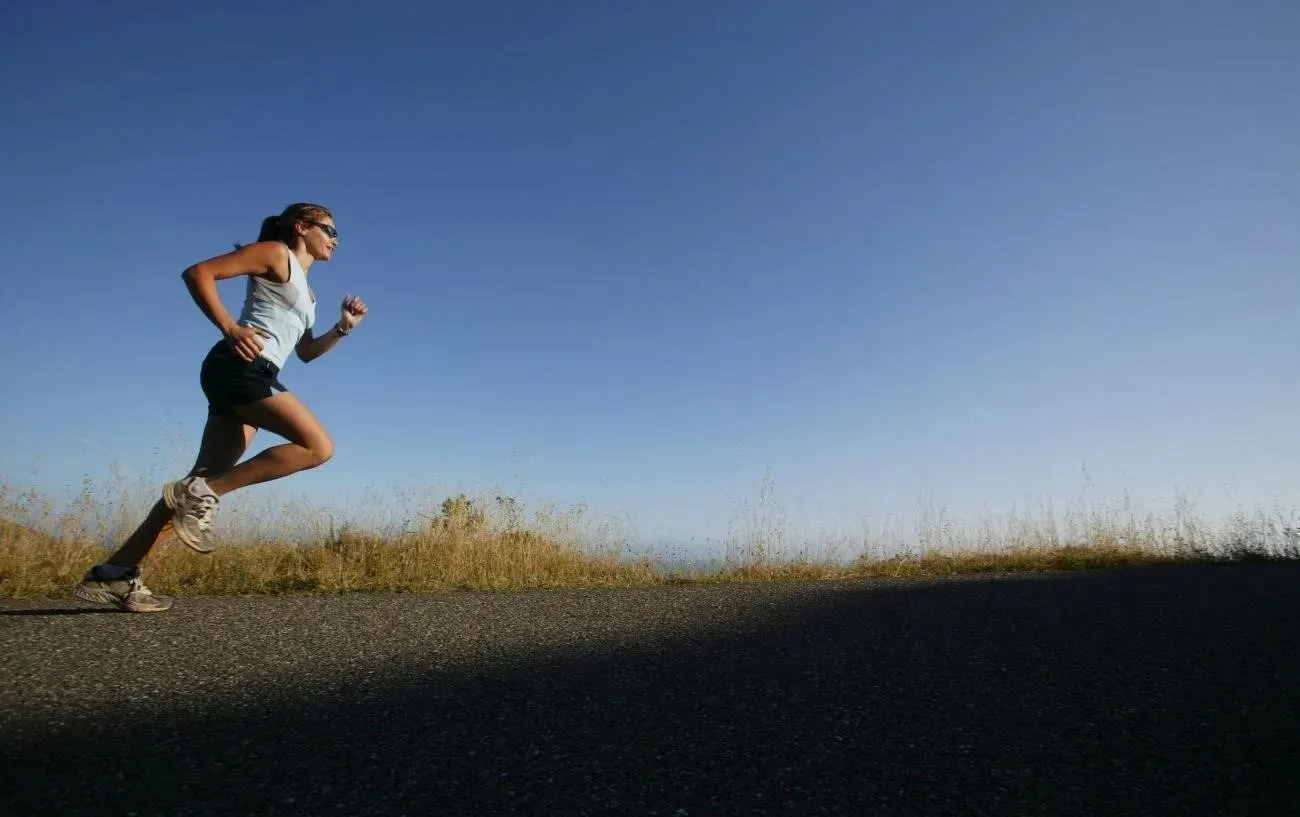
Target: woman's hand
[(354, 309), (246, 341)]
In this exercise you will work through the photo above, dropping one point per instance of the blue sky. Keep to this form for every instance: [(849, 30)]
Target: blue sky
[(638, 255)]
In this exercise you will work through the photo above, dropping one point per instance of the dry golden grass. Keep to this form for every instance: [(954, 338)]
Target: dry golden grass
[(33, 564), (456, 548), (492, 544)]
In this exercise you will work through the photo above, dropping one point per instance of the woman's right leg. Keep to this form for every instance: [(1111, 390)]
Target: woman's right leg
[(117, 581)]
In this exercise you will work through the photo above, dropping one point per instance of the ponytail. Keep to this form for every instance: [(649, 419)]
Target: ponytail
[(273, 228)]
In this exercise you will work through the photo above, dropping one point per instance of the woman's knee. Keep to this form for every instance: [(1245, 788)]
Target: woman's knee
[(321, 448)]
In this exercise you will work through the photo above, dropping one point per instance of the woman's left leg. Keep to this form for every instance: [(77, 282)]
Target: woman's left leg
[(194, 500), (225, 439)]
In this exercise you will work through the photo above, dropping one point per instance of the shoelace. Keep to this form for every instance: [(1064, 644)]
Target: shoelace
[(206, 511), (137, 586)]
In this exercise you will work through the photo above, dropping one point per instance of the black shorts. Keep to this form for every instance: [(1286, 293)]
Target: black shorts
[(228, 380)]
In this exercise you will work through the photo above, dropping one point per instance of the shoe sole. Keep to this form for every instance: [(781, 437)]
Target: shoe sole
[(104, 597), (97, 596), (171, 500)]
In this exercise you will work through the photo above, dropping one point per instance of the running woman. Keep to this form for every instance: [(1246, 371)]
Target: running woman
[(240, 378)]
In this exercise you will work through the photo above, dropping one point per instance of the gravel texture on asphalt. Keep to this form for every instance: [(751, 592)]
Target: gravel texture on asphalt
[(1141, 691)]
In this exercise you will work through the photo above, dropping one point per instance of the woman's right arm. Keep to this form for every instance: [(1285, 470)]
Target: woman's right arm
[(261, 258)]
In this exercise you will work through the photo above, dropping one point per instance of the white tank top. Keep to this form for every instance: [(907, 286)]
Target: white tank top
[(284, 311)]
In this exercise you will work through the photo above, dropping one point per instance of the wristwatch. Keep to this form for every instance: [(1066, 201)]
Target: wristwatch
[(340, 330)]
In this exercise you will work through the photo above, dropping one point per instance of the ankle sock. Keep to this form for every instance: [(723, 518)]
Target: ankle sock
[(111, 572)]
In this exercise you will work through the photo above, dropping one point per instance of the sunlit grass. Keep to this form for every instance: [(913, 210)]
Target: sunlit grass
[(492, 543)]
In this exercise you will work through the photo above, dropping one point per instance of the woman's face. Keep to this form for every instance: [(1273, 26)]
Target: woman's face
[(320, 237)]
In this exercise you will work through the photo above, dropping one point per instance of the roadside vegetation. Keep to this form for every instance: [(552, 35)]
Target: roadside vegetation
[(492, 543)]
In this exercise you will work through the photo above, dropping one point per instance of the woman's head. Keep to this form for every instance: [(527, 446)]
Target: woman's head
[(311, 224)]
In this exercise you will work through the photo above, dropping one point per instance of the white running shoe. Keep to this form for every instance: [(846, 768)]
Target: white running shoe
[(194, 506), (126, 591)]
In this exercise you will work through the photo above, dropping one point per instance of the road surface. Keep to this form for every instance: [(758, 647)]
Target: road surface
[(1142, 691)]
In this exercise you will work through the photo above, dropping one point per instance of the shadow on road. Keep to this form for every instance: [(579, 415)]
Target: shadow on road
[(60, 611), (1163, 691)]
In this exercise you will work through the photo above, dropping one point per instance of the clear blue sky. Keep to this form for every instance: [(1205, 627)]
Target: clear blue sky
[(636, 254)]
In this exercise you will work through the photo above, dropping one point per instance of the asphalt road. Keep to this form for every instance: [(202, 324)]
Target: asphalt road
[(1143, 692)]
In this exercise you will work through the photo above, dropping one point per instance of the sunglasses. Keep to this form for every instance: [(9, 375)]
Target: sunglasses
[(325, 228)]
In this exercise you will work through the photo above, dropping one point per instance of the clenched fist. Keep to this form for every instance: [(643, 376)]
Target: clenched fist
[(354, 309)]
